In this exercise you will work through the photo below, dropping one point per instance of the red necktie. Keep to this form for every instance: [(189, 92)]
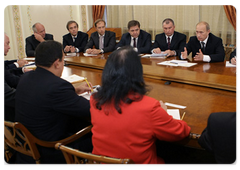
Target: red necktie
[(169, 44)]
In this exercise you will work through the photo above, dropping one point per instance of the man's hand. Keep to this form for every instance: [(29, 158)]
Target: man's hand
[(157, 50), (38, 37), (198, 56), (184, 53)]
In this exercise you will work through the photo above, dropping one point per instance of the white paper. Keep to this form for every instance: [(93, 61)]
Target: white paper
[(228, 64), (29, 59), (175, 105), (73, 78), (87, 95), (182, 63), (71, 54), (174, 113), (88, 55), (161, 55)]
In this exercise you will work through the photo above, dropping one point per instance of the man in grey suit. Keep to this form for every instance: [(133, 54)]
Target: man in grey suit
[(170, 42), (104, 41)]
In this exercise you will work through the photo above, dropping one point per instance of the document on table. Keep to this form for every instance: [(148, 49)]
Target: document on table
[(182, 63), (228, 64), (29, 58), (71, 54), (74, 79), (88, 55), (87, 95), (174, 113), (175, 105), (154, 55)]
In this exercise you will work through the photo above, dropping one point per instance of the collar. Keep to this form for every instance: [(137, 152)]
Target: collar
[(101, 35), (133, 37), (169, 36), (205, 41)]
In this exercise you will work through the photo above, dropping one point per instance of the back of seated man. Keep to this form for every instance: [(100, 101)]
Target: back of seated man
[(39, 36), (48, 105), (104, 41), (204, 46), (140, 40)]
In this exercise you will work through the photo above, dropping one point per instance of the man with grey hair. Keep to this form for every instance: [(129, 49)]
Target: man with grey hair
[(39, 35), (170, 41), (204, 46)]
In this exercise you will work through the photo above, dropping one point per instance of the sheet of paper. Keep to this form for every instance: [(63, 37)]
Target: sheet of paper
[(29, 58), (175, 105), (161, 55), (71, 54), (88, 55), (176, 63), (174, 113), (87, 95), (74, 78), (228, 64)]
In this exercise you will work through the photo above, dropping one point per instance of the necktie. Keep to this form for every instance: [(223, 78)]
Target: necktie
[(100, 42), (203, 47), (134, 42), (74, 40), (169, 44)]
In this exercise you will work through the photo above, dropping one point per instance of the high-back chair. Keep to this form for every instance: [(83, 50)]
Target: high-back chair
[(73, 156), (17, 136)]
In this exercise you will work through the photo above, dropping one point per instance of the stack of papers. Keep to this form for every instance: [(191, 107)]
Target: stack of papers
[(88, 55), (161, 55), (228, 64), (87, 95), (182, 63), (74, 79)]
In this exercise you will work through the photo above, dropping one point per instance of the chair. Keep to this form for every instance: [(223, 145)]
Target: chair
[(17, 136), (118, 32), (73, 156)]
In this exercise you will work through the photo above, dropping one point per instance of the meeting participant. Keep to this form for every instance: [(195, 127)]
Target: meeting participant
[(219, 137), (39, 35), (170, 42), (204, 46), (46, 103), (126, 122), (233, 57), (140, 40), (75, 40), (104, 41)]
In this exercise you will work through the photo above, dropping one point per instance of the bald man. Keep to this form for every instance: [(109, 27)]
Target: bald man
[(39, 36)]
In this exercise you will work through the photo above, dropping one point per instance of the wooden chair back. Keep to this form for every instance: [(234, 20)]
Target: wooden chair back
[(73, 156), (118, 32), (17, 136)]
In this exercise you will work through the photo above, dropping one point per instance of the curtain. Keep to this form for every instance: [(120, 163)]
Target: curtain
[(231, 14), (97, 12)]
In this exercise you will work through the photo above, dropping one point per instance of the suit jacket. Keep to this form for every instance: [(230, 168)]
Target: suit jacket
[(219, 136), (109, 41), (178, 42), (45, 104), (80, 41), (214, 47), (32, 43), (135, 130), (233, 54), (143, 44)]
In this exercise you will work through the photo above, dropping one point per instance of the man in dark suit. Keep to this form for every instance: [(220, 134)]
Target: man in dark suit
[(39, 36), (170, 42), (46, 104), (137, 38), (219, 136), (204, 46), (104, 41), (75, 40)]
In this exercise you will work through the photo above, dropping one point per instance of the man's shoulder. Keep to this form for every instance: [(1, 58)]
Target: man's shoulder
[(179, 34)]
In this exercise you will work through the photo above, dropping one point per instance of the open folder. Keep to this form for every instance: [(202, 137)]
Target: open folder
[(74, 79)]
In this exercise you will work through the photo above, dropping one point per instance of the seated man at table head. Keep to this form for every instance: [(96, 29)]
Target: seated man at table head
[(38, 36), (170, 42), (104, 41), (219, 137), (204, 46), (233, 57), (75, 40), (124, 117), (140, 40), (47, 104)]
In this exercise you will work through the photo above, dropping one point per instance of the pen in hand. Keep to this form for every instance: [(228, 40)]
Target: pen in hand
[(183, 115), (88, 85)]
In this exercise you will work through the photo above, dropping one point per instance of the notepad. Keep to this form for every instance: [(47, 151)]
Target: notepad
[(74, 79), (87, 95), (176, 63), (175, 105), (88, 55), (174, 113), (228, 64)]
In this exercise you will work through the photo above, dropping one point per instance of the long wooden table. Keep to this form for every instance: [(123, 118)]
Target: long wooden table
[(200, 98)]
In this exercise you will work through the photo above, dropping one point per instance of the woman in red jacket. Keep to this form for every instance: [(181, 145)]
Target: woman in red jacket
[(126, 122)]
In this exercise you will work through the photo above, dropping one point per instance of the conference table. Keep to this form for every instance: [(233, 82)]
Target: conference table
[(203, 88)]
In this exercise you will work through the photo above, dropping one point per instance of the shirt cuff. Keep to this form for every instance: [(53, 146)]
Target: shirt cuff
[(206, 58), (16, 64), (77, 50)]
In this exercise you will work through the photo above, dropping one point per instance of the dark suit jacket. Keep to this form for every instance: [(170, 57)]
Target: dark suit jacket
[(214, 47), (32, 43), (109, 41), (80, 42), (233, 54), (45, 103), (219, 136), (144, 41), (178, 42)]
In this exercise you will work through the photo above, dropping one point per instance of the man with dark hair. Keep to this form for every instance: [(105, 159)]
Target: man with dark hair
[(46, 104), (39, 36), (204, 46), (137, 38), (170, 42), (75, 40), (104, 41)]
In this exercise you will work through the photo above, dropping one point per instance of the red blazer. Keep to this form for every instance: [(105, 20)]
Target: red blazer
[(133, 133)]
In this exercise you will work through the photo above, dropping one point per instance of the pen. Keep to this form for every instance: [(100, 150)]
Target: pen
[(183, 115), (88, 84)]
